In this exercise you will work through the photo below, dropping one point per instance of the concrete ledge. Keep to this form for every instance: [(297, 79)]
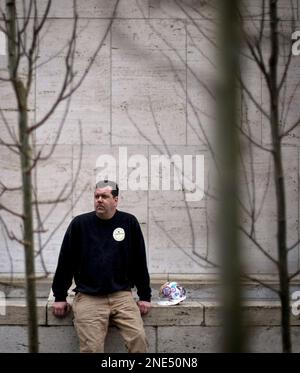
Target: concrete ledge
[(256, 313), (187, 313), (192, 326), (16, 312), (196, 312)]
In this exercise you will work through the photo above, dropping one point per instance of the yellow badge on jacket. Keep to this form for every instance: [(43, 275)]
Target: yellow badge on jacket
[(119, 234)]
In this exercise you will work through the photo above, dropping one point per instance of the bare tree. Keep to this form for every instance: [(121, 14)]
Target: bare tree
[(23, 24), (267, 47)]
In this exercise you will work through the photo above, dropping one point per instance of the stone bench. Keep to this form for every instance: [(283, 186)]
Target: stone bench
[(191, 326)]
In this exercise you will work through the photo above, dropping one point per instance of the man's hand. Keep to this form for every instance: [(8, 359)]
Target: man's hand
[(60, 309), (144, 306)]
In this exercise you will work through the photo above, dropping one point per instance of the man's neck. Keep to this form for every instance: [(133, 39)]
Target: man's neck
[(106, 217)]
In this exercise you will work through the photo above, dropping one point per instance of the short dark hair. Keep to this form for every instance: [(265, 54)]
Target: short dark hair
[(112, 184)]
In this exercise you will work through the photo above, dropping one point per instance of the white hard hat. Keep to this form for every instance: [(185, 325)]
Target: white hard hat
[(171, 293)]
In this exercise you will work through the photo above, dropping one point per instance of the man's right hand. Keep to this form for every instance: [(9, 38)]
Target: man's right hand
[(60, 309)]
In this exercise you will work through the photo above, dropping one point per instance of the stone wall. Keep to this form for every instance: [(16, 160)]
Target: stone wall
[(148, 93)]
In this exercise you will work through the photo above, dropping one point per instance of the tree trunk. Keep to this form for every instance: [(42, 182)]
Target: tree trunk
[(279, 183), (228, 145), (28, 225), (25, 159)]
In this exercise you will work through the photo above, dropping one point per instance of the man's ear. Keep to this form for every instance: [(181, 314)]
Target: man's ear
[(117, 199)]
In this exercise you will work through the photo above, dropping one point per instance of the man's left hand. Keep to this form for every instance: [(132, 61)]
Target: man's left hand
[(144, 306)]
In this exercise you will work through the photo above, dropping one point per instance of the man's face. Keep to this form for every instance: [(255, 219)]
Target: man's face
[(105, 203)]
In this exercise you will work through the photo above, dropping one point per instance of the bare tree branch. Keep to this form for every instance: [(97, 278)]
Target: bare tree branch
[(250, 95), (11, 263), (254, 142), (10, 131), (294, 245), (4, 188), (265, 192), (285, 113), (292, 127), (69, 74), (294, 275), (266, 254), (209, 263), (3, 207), (9, 233), (262, 283), (61, 221)]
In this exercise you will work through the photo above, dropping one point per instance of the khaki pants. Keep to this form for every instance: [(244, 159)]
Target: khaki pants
[(92, 314)]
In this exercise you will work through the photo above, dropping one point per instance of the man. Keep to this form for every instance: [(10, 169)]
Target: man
[(104, 251)]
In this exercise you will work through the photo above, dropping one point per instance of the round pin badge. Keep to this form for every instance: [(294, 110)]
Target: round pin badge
[(119, 234)]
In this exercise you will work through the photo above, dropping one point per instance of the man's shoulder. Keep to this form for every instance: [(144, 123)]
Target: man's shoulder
[(126, 216), (87, 216)]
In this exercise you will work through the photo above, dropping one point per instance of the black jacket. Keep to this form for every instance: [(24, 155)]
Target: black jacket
[(101, 259)]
